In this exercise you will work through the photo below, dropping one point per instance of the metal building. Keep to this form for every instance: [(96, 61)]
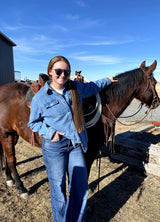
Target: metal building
[(6, 60)]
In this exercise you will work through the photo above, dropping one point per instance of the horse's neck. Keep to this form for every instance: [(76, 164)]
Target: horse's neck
[(116, 106), (123, 106)]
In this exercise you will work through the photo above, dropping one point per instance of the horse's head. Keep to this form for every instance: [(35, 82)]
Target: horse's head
[(148, 94), (35, 87)]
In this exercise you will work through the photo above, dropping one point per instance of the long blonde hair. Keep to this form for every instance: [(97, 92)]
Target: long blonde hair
[(76, 104)]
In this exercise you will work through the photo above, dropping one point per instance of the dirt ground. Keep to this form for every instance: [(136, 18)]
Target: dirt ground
[(124, 194)]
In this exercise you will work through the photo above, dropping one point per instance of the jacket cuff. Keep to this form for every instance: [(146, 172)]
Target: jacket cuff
[(108, 81)]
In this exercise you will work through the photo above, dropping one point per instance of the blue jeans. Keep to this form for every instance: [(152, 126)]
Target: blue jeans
[(60, 158)]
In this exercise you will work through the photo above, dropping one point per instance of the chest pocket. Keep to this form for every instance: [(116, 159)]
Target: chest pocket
[(54, 108)]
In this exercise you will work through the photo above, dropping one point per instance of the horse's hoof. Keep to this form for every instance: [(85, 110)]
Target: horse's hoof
[(9, 183), (24, 196)]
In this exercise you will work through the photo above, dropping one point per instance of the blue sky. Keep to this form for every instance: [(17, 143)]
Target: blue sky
[(101, 38)]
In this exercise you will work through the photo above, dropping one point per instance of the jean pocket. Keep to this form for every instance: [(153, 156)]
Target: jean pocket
[(60, 139)]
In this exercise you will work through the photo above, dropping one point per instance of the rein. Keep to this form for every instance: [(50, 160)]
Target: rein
[(115, 118), (134, 113)]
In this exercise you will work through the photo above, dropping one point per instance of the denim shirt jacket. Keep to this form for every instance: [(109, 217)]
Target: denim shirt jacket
[(51, 111)]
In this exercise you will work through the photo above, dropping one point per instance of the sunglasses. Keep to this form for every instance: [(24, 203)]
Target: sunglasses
[(60, 71)]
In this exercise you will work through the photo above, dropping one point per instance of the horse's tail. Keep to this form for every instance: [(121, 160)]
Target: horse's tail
[(2, 159)]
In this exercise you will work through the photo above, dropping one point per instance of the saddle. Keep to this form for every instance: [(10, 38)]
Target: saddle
[(90, 107)]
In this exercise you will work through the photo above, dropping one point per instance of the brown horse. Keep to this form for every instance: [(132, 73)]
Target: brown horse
[(14, 115)]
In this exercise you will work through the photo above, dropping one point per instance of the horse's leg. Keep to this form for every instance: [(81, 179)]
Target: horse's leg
[(9, 177), (8, 144), (2, 164)]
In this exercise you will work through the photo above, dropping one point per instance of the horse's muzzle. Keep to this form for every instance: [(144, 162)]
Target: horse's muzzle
[(155, 103)]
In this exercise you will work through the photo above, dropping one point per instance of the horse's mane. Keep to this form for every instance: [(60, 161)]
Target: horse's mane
[(126, 81)]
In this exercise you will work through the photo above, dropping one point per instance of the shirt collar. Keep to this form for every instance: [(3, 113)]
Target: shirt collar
[(47, 86)]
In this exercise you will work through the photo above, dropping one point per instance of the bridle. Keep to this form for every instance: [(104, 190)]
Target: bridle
[(109, 123), (154, 103), (152, 106)]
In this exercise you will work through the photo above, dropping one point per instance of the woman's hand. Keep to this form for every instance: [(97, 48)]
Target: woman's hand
[(112, 79), (56, 136)]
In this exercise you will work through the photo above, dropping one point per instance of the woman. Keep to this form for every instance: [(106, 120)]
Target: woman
[(56, 114)]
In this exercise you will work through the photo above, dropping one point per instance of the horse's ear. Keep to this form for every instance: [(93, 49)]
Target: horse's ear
[(43, 78), (143, 64), (152, 67)]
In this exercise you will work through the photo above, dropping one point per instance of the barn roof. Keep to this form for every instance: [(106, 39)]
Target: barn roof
[(5, 38)]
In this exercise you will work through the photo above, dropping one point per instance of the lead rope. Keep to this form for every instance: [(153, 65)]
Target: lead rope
[(99, 168)]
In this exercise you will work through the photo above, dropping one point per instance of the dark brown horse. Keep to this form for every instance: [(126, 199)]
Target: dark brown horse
[(14, 114)]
